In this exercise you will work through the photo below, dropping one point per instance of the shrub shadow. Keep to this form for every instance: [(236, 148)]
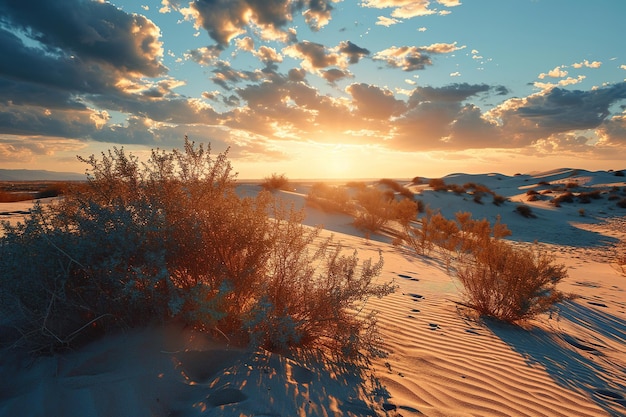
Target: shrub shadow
[(572, 363)]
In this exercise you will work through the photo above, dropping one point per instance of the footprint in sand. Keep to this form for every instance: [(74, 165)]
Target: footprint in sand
[(408, 277), (416, 297), (594, 303)]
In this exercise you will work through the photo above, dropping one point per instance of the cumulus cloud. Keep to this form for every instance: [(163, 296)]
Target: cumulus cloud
[(352, 51), (587, 64), (557, 72), (226, 19), (413, 58), (557, 111)]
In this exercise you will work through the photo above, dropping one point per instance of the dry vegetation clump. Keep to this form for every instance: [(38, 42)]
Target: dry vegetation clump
[(397, 187), (499, 280), (329, 198), (622, 203), (508, 283), (276, 182), (525, 211), (375, 209), (438, 184), (566, 197), (170, 240)]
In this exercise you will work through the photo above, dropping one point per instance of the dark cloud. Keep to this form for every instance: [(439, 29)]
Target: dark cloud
[(374, 102), (354, 53), (297, 74), (562, 110), (333, 75), (450, 93), (315, 55), (92, 31)]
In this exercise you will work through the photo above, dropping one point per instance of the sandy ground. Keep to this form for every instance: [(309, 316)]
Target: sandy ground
[(443, 360)]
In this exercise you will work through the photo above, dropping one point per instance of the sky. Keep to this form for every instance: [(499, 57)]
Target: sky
[(317, 88)]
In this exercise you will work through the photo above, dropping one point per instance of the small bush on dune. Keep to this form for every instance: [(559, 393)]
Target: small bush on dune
[(329, 198), (510, 284), (437, 184), (525, 211), (276, 182), (170, 240), (375, 209), (397, 187)]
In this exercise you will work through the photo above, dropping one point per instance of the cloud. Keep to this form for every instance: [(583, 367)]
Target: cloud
[(333, 75), (314, 56), (374, 102), (352, 51), (557, 72), (386, 21), (586, 63), (413, 58), (226, 19), (94, 32), (557, 111), (406, 9)]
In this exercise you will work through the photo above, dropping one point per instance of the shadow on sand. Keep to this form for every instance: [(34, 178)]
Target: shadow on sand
[(579, 365)]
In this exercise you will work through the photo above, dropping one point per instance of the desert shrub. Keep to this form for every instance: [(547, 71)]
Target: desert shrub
[(437, 184), (509, 283), (375, 209), (566, 197), (619, 173), (543, 183), (397, 187), (531, 192), (622, 203), (613, 197), (581, 212), (456, 189), (170, 240), (499, 199), (572, 184), (417, 181), (532, 197), (524, 210), (329, 198), (276, 182)]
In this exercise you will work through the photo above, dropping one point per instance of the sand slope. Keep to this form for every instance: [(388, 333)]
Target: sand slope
[(443, 360)]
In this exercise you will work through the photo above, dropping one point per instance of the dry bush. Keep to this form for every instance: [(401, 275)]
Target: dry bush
[(397, 187), (566, 197), (437, 184), (499, 199), (525, 211), (170, 240), (510, 284), (622, 203), (329, 198), (375, 209), (276, 182)]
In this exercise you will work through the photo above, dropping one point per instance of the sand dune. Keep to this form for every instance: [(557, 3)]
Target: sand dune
[(443, 360)]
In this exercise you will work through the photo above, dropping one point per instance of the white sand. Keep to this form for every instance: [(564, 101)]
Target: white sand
[(443, 360)]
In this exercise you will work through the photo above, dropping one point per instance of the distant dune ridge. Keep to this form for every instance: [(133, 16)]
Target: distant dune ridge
[(443, 360)]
